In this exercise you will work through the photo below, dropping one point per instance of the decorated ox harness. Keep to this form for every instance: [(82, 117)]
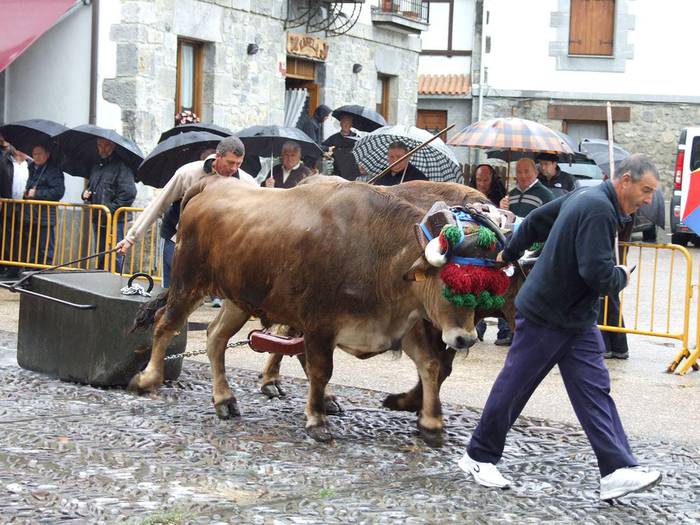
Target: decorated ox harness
[(464, 242)]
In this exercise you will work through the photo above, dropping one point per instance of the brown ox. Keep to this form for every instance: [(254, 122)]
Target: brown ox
[(336, 263), (422, 343)]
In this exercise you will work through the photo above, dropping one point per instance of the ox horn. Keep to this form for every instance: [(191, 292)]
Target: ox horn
[(434, 255)]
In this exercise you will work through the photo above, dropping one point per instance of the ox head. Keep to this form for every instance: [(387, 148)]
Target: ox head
[(459, 267)]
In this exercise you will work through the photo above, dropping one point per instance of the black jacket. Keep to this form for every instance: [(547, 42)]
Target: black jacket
[(112, 184), (560, 184), (392, 179), (50, 186), (577, 264), (7, 173)]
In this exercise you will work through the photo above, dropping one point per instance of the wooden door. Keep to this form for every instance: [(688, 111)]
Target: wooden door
[(432, 120)]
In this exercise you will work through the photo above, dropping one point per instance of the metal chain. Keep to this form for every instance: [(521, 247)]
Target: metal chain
[(182, 355)]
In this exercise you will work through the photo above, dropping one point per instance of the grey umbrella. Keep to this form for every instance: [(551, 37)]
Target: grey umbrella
[(597, 149)]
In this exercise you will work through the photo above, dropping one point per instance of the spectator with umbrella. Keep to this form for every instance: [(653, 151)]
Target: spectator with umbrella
[(291, 171), (45, 183), (402, 171), (313, 127), (111, 183), (552, 177), (225, 162), (529, 193), (109, 161)]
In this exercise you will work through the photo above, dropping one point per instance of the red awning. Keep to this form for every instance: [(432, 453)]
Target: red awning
[(23, 21)]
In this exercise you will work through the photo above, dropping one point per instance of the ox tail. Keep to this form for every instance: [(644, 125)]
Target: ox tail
[(146, 314)]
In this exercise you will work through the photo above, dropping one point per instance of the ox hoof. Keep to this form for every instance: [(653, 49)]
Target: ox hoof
[(433, 437), (400, 402), (320, 433), (135, 386), (273, 390), (332, 407), (227, 409)]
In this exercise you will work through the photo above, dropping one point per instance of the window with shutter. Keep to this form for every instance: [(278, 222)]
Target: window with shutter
[(591, 27)]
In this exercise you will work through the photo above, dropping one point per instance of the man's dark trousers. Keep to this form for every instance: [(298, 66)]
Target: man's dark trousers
[(534, 352)]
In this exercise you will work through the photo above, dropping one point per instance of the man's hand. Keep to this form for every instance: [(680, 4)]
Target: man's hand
[(31, 193), (499, 257), (361, 169), (627, 271), (123, 246), (505, 201), (87, 195), (269, 182)]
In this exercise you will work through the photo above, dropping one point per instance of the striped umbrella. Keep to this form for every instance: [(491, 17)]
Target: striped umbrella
[(435, 160), (515, 134)]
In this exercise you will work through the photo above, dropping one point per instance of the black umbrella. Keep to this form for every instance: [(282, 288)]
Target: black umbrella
[(79, 145), (160, 165), (25, 134), (514, 156), (363, 118), (267, 141), (183, 128), (597, 149)]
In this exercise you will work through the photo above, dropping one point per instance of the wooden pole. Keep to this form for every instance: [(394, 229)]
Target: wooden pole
[(611, 157), (370, 181)]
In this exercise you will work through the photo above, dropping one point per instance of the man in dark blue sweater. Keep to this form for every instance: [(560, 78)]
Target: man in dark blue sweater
[(557, 309)]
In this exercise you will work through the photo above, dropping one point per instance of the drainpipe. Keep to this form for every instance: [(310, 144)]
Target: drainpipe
[(94, 41), (481, 59)]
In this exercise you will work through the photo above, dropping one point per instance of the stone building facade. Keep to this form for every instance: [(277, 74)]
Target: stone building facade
[(240, 89)]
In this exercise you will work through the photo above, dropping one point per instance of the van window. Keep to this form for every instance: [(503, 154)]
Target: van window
[(695, 154)]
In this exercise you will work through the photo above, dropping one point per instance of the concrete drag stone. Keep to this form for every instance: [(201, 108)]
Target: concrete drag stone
[(81, 454)]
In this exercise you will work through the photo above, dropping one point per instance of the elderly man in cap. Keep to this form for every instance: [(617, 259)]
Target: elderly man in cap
[(559, 182), (224, 163)]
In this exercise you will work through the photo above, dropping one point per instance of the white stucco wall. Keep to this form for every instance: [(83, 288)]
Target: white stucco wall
[(51, 80), (663, 38)]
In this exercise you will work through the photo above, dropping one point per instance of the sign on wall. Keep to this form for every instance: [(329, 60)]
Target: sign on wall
[(307, 46)]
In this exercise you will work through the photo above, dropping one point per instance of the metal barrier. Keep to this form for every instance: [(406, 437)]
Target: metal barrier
[(41, 234), (691, 358), (144, 255), (660, 288)]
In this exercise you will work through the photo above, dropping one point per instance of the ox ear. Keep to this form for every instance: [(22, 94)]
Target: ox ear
[(418, 270)]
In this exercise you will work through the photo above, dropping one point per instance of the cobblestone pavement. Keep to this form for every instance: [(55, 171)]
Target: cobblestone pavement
[(77, 454)]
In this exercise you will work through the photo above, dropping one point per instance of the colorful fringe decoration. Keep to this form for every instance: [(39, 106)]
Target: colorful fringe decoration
[(485, 238), (472, 286)]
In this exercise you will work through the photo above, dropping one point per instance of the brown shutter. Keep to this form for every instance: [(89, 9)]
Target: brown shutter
[(591, 27), (432, 120)]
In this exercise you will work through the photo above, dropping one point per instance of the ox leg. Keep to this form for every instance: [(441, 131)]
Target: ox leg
[(423, 344), (229, 321), (270, 384), (168, 321), (330, 402), (319, 369)]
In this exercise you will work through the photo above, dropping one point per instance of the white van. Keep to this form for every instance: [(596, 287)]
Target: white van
[(687, 160)]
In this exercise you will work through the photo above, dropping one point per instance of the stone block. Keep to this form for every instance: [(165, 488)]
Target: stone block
[(198, 20), (86, 346), (128, 33)]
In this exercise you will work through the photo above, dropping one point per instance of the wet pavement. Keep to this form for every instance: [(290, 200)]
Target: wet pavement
[(77, 454)]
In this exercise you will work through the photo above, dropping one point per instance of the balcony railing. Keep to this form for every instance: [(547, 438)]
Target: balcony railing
[(406, 15)]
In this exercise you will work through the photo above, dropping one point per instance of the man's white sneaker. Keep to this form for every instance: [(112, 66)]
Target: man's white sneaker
[(626, 480), (485, 474)]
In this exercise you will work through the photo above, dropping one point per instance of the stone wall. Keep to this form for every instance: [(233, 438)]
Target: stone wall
[(653, 128), (239, 89)]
